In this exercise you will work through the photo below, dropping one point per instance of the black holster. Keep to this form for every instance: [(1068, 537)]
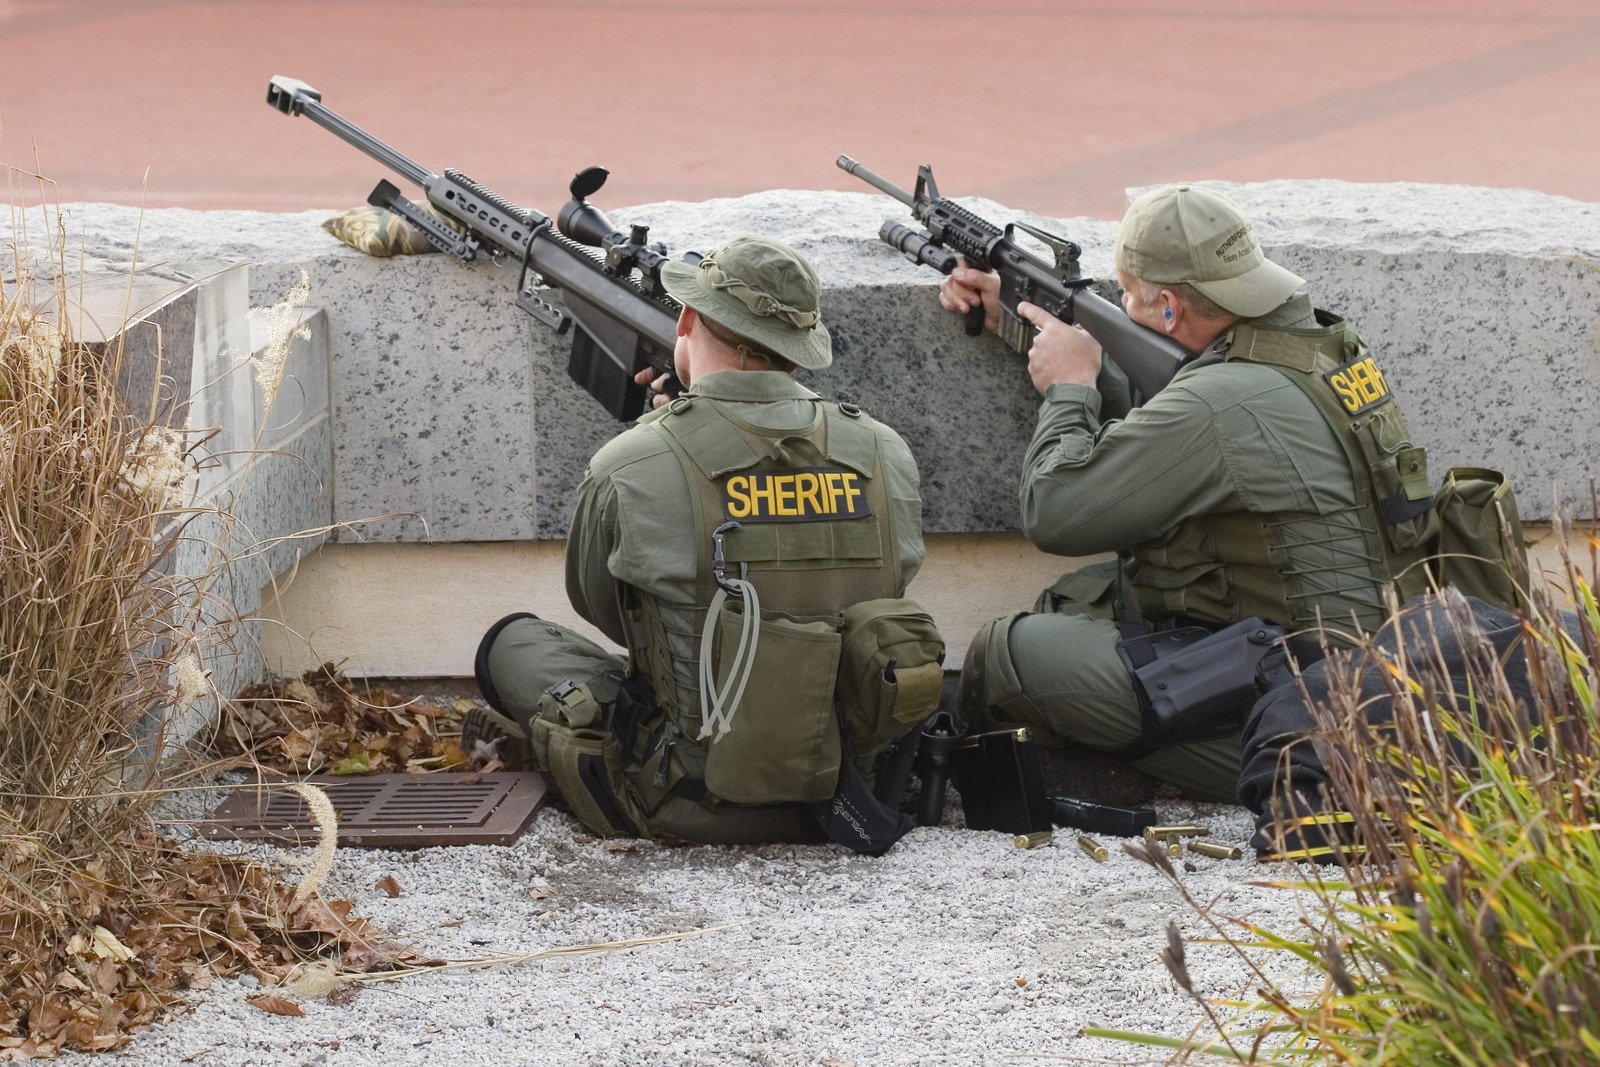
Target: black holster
[(1196, 685)]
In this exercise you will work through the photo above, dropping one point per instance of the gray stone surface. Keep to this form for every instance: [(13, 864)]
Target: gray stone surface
[(266, 489), (453, 410)]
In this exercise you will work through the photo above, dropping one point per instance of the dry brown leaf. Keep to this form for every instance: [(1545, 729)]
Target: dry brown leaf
[(319, 916), (70, 981), (308, 981), (274, 1004), (388, 884), (297, 691), (620, 846), (539, 892), (346, 993), (450, 753)]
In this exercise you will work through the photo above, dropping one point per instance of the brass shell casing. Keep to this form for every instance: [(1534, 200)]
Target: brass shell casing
[(1216, 851), (1037, 839), (1095, 849), (1177, 831)]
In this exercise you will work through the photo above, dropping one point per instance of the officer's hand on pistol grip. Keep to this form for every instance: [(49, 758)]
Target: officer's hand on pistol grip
[(965, 290), (658, 385), (1060, 353)]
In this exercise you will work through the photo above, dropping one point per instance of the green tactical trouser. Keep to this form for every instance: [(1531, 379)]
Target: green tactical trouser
[(523, 657), (1056, 671)]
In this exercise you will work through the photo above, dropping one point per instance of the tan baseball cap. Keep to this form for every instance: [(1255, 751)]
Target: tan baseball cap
[(1182, 233)]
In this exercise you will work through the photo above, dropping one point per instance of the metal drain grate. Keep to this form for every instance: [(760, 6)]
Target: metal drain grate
[(388, 810)]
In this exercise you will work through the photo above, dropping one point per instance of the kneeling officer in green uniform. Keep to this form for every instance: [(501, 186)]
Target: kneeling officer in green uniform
[(1271, 487), (750, 544)]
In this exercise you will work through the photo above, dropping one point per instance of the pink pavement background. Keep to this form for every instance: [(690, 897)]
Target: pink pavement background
[(1044, 104)]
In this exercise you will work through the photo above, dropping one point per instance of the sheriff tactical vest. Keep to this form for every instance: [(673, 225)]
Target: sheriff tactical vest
[(1230, 566), (815, 529)]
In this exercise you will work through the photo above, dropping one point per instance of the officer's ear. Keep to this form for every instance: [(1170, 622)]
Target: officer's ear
[(686, 320), (1172, 310)]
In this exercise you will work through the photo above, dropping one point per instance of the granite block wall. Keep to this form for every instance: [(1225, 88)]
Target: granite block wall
[(454, 419), (266, 482)]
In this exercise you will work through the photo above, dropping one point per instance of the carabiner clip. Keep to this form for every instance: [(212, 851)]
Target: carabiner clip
[(719, 561)]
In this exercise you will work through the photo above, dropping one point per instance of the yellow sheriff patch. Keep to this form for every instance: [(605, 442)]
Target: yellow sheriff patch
[(812, 494), (1359, 385)]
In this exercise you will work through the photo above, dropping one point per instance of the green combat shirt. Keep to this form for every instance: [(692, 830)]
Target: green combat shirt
[(635, 524), (1222, 437)]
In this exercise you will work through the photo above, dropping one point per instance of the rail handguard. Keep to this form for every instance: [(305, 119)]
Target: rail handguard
[(1145, 356)]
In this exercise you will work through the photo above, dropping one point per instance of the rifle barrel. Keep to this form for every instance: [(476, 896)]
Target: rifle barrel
[(302, 99), (882, 184)]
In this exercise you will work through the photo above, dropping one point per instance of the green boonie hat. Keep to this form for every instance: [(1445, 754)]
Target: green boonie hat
[(762, 290), (1184, 234)]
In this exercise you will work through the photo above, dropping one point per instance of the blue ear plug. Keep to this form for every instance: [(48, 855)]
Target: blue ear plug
[(1167, 313)]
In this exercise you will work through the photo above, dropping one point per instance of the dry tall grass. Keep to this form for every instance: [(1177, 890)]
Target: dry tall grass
[(102, 922)]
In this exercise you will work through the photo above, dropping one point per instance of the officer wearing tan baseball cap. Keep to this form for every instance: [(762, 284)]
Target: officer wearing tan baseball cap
[(1185, 234), (1255, 484)]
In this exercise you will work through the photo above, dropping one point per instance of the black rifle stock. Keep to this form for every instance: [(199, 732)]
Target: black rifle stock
[(624, 323), (1147, 358)]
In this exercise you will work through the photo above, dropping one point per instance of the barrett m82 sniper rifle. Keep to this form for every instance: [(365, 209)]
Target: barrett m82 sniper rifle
[(624, 324), (1147, 358)]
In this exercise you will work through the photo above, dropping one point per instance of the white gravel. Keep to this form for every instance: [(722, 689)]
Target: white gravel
[(955, 948)]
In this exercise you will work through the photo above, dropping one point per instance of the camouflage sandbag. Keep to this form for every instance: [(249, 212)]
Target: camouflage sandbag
[(380, 232)]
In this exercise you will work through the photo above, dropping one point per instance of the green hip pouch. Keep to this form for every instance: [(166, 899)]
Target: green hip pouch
[(890, 670)]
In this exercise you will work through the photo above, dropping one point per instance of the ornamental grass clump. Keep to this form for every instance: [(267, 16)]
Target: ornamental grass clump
[(103, 922), (1463, 924), (96, 632)]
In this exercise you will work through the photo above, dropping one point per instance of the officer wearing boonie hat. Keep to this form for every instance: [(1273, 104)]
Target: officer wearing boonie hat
[(806, 482), (760, 290), (1241, 490)]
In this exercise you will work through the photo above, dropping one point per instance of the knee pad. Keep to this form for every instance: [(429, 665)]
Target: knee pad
[(480, 662), (988, 675)]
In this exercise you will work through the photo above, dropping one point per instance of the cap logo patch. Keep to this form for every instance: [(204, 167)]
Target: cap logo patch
[(1241, 234), (811, 494)]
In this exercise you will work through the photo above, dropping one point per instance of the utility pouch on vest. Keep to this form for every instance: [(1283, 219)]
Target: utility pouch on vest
[(1193, 685), (1402, 494), (1480, 549), (890, 669), (573, 744), (783, 742)]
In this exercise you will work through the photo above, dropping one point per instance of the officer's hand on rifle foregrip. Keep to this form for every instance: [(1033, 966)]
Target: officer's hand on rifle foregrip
[(965, 287), (1060, 353)]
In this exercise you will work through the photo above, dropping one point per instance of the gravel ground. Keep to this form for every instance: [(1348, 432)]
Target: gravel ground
[(955, 948)]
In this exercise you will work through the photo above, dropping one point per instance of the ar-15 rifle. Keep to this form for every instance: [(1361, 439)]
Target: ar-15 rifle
[(624, 324), (1147, 358)]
